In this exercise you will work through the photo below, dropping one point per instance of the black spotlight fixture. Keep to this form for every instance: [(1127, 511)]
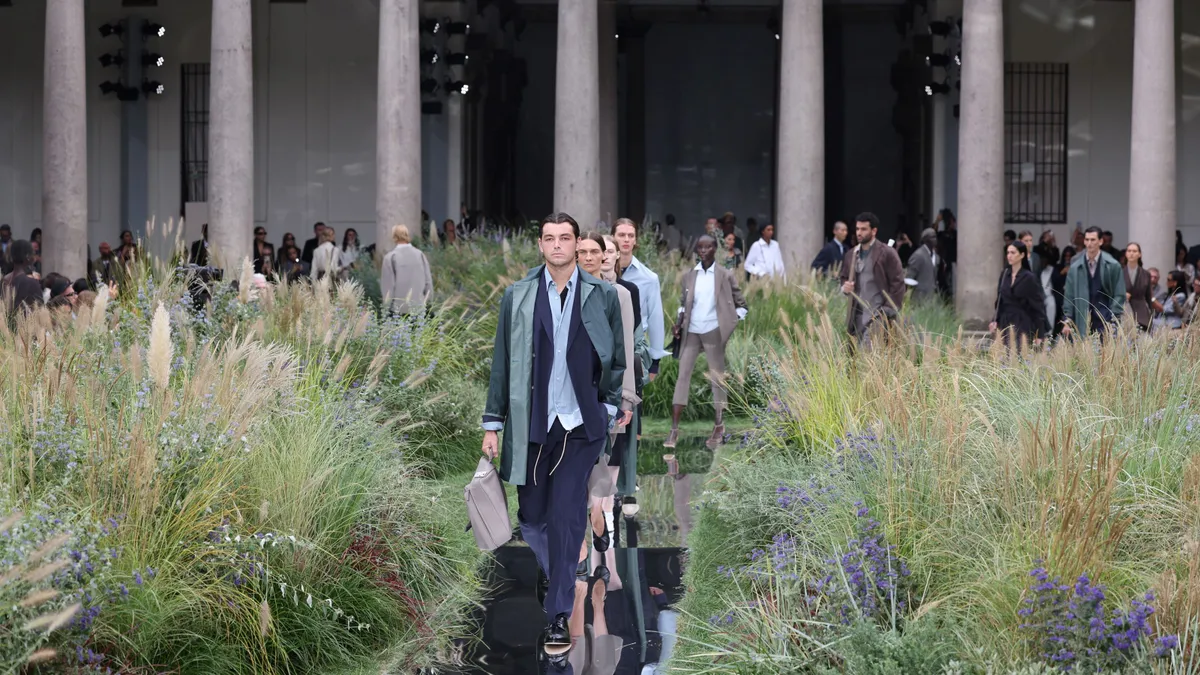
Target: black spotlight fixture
[(934, 88), (428, 85), (153, 87), (111, 29), (429, 56), (431, 26), (940, 28), (109, 87), (456, 59), (958, 59), (153, 30), (431, 107), (458, 87), (155, 60), (107, 60), (123, 93), (937, 60), (457, 28)]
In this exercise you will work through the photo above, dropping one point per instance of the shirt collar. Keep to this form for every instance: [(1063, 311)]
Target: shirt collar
[(711, 270), (570, 282)]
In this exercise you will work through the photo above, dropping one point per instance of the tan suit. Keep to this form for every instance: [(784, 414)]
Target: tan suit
[(728, 299)]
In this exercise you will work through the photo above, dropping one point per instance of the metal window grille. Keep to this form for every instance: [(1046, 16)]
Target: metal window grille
[(1035, 142), (194, 136)]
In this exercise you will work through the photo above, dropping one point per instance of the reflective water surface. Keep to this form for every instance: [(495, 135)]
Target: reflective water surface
[(649, 542)]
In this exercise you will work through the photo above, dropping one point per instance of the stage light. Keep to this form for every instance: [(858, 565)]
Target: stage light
[(111, 29), (429, 56), (153, 87), (958, 59), (940, 28), (153, 30), (456, 59), (153, 60), (431, 26), (109, 88), (459, 87), (123, 93), (107, 60), (431, 107), (937, 88), (937, 60), (429, 85), (457, 28)]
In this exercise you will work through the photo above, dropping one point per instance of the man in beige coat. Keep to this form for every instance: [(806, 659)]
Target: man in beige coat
[(709, 310), (407, 282)]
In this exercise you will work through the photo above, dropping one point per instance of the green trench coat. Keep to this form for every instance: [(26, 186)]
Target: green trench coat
[(512, 360), (1076, 306)]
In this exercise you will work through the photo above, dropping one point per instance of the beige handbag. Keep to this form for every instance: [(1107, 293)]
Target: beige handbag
[(487, 507), (600, 483)]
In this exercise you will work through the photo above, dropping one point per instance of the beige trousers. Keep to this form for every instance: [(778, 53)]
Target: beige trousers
[(710, 342)]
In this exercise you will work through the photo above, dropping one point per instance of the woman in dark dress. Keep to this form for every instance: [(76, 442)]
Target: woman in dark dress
[(1058, 283), (1020, 301), (1138, 295)]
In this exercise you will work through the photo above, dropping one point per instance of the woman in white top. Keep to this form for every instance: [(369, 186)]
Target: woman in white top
[(765, 259), (349, 247), (327, 259)]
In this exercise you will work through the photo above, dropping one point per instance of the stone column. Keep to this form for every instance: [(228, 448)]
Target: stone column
[(398, 121), (800, 157), (1152, 153), (609, 180), (231, 136), (64, 142), (980, 162), (454, 158), (577, 113)]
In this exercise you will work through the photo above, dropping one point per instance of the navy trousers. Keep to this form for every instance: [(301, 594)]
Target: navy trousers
[(552, 508)]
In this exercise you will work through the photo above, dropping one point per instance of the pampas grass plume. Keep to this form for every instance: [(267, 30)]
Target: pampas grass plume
[(245, 281), (100, 305), (433, 233), (160, 348)]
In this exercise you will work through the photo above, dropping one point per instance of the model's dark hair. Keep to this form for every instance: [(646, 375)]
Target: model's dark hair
[(559, 217), (596, 237), (1094, 230), (22, 253), (868, 217), (1020, 246), (1134, 243)]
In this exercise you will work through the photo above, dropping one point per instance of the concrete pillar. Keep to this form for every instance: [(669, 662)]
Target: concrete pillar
[(980, 162), (398, 121), (454, 157), (1152, 205), (609, 181), (64, 142), (577, 113), (231, 135), (801, 152)]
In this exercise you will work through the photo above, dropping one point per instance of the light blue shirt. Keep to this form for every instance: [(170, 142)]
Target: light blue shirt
[(562, 404), (650, 298)]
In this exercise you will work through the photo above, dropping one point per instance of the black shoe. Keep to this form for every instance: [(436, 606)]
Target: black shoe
[(556, 634), (601, 543), (543, 587), (559, 661), (602, 574), (581, 571)]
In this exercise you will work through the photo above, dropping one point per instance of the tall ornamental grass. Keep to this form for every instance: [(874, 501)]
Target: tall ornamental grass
[(1044, 507), (225, 489)]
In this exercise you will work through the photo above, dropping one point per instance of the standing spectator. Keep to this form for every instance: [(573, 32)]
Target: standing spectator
[(1058, 284), (350, 248), (264, 253), (1182, 265), (6, 249), (1138, 289), (107, 265), (923, 265), (1106, 245), (407, 282), (834, 252), (1035, 258), (874, 278), (311, 245), (199, 253), (327, 259), (449, 233), (291, 265), (710, 307), (127, 251), (728, 227), (947, 248), (634, 271), (904, 247), (1094, 296), (1020, 302), (765, 258), (20, 290)]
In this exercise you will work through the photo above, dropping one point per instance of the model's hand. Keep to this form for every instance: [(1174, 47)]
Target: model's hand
[(1066, 331), (625, 418), (652, 376), (992, 327), (848, 288), (491, 444)]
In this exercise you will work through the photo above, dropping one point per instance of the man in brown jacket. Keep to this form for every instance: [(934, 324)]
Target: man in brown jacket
[(874, 279), (710, 308)]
